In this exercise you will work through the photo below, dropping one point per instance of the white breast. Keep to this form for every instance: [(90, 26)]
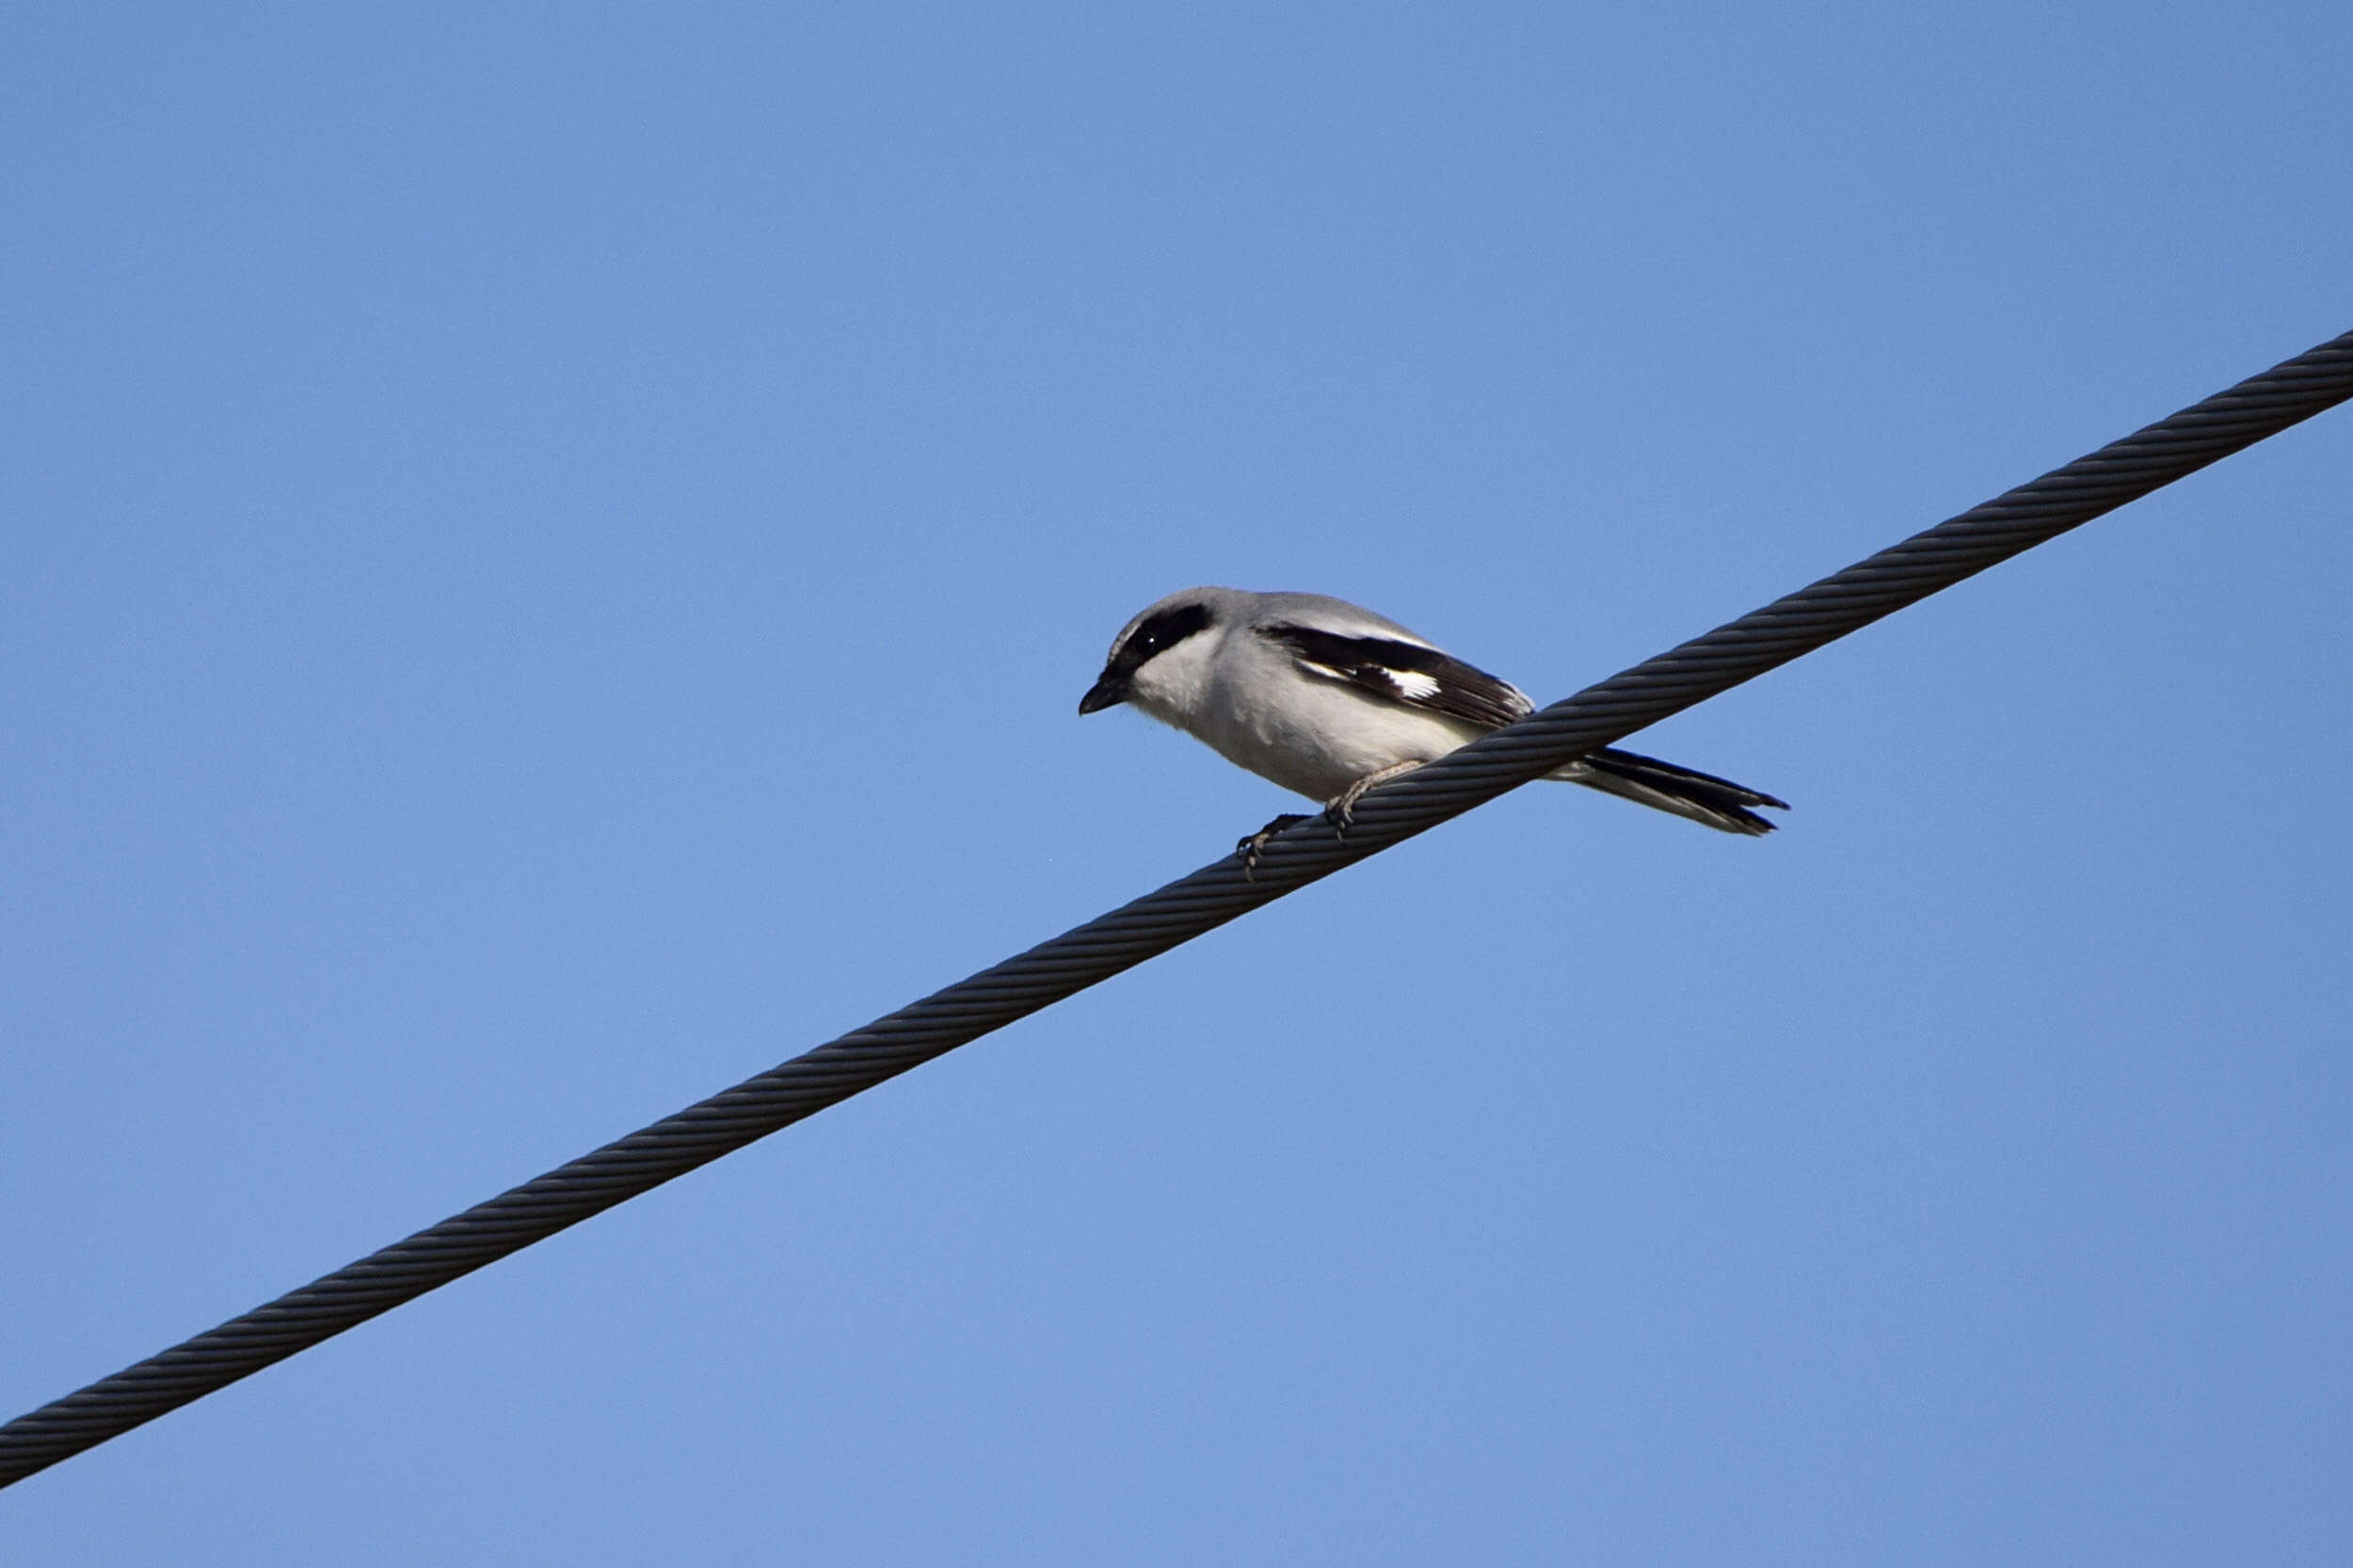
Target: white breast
[(1258, 709)]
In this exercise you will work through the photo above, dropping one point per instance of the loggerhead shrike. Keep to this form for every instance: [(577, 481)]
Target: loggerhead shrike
[(1329, 700)]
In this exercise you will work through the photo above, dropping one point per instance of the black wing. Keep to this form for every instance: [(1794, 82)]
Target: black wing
[(1405, 673)]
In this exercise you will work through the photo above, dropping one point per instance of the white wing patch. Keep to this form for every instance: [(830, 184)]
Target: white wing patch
[(1412, 685)]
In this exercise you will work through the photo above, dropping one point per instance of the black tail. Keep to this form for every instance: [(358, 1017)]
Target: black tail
[(1701, 796)]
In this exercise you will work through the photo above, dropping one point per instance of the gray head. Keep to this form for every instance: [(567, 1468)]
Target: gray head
[(1174, 620)]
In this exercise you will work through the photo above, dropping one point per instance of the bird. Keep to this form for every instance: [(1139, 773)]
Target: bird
[(1328, 699)]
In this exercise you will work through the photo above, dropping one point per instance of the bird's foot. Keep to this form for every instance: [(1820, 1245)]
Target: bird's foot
[(1250, 848), (1341, 810)]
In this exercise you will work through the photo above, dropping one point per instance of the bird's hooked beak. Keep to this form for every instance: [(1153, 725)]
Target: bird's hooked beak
[(1109, 691)]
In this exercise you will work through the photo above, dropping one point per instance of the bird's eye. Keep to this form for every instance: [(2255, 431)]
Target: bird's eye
[(1164, 632)]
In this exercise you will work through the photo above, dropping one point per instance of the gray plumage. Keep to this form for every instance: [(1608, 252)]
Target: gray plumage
[(1326, 698)]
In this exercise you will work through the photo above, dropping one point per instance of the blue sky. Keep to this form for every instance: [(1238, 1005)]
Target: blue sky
[(551, 559)]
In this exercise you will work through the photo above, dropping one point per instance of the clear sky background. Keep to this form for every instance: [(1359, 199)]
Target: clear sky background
[(550, 561)]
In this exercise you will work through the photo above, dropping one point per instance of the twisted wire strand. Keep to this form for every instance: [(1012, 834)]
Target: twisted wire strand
[(1741, 650)]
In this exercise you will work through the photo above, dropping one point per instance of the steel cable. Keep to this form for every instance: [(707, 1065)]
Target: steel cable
[(1741, 650)]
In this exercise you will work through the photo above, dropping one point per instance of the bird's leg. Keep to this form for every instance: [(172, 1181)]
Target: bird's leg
[(1342, 809), (1250, 848)]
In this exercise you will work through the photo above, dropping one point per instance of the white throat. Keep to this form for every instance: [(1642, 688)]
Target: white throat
[(1174, 687)]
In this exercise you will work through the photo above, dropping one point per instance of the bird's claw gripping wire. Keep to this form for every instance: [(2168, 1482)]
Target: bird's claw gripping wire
[(1340, 811), (1255, 845)]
